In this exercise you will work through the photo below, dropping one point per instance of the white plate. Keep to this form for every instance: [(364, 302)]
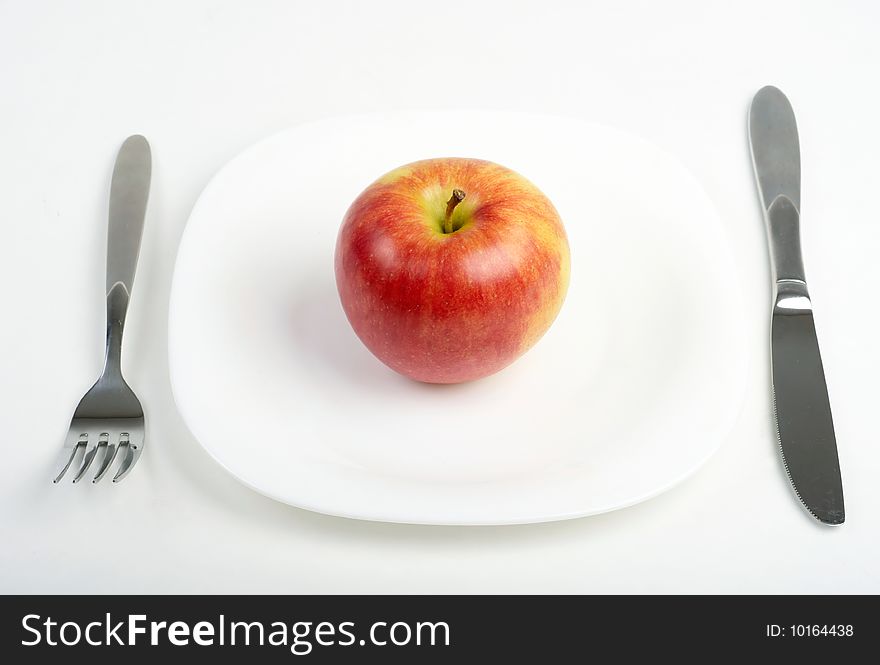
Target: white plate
[(631, 390)]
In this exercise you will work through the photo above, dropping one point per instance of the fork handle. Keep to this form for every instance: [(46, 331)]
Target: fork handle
[(117, 308), (129, 191)]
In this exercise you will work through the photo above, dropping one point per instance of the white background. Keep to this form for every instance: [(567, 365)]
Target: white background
[(203, 80)]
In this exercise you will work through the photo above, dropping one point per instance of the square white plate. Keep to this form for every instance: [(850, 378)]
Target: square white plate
[(633, 388)]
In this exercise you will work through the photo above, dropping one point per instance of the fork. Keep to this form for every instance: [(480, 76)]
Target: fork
[(109, 419)]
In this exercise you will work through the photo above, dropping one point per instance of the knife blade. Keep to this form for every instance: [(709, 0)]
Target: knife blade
[(801, 407)]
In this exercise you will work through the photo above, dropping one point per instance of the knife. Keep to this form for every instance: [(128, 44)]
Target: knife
[(800, 397)]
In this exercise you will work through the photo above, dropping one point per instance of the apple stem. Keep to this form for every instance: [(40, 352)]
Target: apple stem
[(457, 197)]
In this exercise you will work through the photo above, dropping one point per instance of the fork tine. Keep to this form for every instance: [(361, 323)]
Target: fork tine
[(132, 455), (66, 457), (109, 456), (88, 458)]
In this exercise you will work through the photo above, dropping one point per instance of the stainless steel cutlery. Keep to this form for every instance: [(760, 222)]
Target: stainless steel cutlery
[(109, 423), (109, 420), (800, 396)]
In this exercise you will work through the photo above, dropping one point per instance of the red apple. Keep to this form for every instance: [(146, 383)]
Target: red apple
[(450, 269)]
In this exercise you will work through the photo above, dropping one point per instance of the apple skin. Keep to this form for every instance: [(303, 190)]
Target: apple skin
[(451, 307)]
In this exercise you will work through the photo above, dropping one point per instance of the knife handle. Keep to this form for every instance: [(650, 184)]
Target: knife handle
[(784, 237)]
